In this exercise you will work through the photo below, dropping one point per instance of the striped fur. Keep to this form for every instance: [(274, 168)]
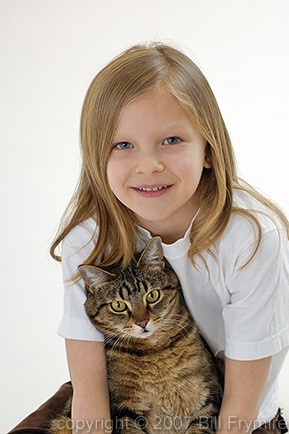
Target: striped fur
[(162, 377)]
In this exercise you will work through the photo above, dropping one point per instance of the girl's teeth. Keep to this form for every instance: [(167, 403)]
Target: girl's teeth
[(152, 188)]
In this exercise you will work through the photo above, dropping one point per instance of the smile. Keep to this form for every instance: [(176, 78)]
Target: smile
[(152, 191), (152, 188)]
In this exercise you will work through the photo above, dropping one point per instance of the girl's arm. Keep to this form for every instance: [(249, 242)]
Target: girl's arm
[(244, 384), (87, 366)]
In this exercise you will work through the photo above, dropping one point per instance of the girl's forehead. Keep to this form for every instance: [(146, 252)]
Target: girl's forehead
[(157, 109)]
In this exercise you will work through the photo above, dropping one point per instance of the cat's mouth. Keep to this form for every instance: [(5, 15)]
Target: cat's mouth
[(142, 332)]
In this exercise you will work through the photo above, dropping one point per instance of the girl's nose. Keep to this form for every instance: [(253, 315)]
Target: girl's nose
[(148, 164)]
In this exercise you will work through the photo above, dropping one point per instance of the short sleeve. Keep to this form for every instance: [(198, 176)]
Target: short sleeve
[(76, 247), (256, 321)]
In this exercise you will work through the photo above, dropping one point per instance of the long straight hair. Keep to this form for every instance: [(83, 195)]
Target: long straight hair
[(135, 72)]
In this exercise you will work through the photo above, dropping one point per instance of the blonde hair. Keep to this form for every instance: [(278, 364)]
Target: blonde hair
[(138, 70)]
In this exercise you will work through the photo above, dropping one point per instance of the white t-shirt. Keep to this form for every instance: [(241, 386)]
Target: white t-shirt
[(242, 313)]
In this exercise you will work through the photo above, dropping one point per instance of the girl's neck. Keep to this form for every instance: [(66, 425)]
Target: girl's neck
[(171, 232)]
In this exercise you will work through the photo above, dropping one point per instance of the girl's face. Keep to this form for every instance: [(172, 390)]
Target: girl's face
[(156, 163)]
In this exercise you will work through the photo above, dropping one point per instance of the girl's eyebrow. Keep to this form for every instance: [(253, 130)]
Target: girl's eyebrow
[(166, 131), (121, 138)]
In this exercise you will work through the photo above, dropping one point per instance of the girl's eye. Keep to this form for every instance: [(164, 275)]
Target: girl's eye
[(123, 145), (118, 306), (153, 296), (172, 141)]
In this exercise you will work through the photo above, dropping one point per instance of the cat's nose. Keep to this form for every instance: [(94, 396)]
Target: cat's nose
[(142, 322)]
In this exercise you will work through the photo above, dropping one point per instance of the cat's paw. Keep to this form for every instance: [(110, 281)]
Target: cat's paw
[(61, 425)]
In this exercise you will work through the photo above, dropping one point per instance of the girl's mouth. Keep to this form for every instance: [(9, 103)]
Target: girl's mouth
[(151, 191)]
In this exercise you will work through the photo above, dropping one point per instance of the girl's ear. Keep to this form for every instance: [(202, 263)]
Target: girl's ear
[(93, 276), (208, 160), (152, 255)]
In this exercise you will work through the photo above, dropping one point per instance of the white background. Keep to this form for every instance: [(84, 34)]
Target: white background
[(50, 51)]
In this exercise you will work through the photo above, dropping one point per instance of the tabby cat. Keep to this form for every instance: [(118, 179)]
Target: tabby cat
[(162, 377)]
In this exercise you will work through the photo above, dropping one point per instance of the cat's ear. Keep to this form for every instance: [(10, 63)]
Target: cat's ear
[(153, 255), (93, 276)]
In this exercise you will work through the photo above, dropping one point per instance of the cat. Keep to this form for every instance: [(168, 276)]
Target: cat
[(162, 376)]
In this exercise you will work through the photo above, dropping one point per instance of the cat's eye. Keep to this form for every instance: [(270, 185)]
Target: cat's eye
[(118, 306), (153, 296)]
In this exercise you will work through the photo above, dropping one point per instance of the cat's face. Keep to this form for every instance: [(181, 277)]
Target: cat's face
[(137, 302)]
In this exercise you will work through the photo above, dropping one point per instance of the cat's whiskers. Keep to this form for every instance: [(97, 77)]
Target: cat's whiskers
[(127, 340), (115, 343), (173, 319), (110, 338), (122, 340)]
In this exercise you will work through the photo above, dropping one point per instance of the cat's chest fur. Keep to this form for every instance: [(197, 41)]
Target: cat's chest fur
[(169, 388)]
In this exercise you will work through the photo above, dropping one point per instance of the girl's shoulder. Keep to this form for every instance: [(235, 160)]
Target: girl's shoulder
[(82, 234), (248, 208), (249, 223), (80, 241), (77, 246)]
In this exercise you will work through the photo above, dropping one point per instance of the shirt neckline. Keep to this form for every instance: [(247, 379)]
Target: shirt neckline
[(178, 248)]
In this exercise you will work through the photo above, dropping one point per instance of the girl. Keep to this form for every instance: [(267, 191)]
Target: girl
[(157, 160)]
